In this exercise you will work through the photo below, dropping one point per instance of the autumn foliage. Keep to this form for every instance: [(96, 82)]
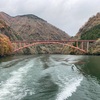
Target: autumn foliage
[(5, 45)]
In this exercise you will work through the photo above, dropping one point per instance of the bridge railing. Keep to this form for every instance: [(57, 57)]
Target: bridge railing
[(61, 41)]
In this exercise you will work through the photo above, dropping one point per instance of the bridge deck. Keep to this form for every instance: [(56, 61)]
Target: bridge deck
[(62, 41)]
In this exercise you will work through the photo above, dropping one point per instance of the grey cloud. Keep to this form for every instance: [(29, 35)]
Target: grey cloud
[(68, 15)]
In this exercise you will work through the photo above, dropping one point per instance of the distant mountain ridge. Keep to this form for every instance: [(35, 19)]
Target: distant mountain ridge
[(31, 16), (31, 27)]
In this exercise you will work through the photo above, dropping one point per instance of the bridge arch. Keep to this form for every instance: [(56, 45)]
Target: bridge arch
[(49, 42)]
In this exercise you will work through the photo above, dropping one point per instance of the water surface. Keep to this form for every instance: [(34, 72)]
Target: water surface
[(50, 77)]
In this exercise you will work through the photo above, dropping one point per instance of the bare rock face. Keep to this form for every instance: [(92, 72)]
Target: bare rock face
[(92, 22), (31, 27)]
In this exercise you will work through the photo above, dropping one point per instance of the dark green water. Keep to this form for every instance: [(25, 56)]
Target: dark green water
[(50, 77)]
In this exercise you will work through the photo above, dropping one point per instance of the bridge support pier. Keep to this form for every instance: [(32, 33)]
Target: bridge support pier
[(82, 45), (14, 46), (77, 44), (24, 44), (87, 46), (20, 45)]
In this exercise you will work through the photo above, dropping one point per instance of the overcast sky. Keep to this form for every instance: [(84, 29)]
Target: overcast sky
[(68, 15)]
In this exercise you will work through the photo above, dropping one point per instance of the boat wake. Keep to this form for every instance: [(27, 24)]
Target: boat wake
[(12, 88), (69, 88)]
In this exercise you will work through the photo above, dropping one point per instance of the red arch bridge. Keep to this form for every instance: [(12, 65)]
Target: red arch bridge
[(75, 44)]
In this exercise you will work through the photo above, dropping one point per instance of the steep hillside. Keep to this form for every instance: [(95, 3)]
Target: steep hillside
[(95, 48), (91, 30), (5, 45), (91, 34), (7, 30), (31, 27)]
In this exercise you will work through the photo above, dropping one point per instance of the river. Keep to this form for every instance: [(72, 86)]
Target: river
[(50, 77)]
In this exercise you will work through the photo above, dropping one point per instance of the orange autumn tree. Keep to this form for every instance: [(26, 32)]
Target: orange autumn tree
[(5, 45)]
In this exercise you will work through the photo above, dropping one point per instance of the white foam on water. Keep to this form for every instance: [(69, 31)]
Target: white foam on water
[(11, 89), (69, 88)]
